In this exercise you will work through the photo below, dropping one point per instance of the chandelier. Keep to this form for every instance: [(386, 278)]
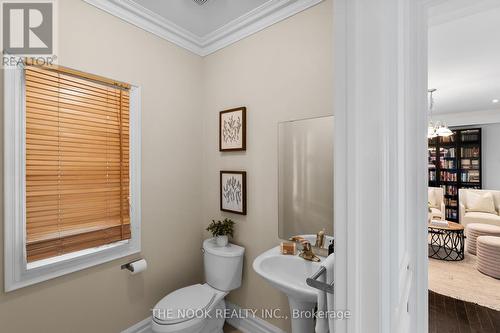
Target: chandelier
[(438, 128)]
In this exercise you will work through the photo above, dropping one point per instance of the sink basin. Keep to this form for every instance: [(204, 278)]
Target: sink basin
[(288, 274)]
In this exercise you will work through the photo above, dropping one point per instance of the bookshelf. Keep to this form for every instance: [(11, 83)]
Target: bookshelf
[(455, 163)]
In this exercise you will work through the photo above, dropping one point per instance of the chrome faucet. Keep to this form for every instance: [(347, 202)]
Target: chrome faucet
[(310, 252), (307, 252)]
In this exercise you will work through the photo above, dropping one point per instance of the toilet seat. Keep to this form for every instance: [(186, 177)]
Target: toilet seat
[(186, 304)]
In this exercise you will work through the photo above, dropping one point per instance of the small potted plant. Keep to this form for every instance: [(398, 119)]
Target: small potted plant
[(221, 230)]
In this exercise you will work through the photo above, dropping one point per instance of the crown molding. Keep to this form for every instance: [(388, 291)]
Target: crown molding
[(254, 21), (271, 12), (444, 11), (469, 118), (145, 19)]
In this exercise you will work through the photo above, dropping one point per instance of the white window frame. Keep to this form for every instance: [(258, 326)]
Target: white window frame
[(18, 273)]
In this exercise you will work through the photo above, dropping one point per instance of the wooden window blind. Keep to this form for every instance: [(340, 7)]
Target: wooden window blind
[(77, 163)]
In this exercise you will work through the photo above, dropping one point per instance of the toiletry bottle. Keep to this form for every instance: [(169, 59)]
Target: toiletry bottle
[(330, 247), (320, 239)]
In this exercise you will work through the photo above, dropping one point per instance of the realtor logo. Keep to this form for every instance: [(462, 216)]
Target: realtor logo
[(28, 28)]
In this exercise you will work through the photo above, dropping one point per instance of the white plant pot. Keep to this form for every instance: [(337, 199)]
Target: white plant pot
[(221, 240)]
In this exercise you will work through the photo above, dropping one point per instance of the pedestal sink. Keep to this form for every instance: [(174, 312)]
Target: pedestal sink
[(288, 274)]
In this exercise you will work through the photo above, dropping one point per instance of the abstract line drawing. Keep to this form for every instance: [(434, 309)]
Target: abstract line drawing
[(232, 129), (233, 191)]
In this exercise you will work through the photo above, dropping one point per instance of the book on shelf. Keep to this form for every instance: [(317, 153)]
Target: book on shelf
[(451, 214), (470, 176), (451, 202), (466, 163), (450, 189), (470, 135), (469, 164), (447, 176), (448, 152), (454, 163), (469, 152), (448, 164)]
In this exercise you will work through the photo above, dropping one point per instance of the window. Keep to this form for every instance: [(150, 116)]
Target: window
[(71, 152), (77, 159)]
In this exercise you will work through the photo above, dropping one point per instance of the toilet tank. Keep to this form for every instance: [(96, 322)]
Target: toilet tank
[(223, 265)]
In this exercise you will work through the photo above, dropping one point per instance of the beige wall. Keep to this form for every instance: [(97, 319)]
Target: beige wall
[(105, 299), (281, 73)]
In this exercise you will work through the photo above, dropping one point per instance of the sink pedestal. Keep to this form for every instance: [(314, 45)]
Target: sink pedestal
[(288, 274), (303, 321)]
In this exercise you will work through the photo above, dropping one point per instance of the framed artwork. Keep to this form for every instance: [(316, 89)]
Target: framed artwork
[(232, 129), (233, 192)]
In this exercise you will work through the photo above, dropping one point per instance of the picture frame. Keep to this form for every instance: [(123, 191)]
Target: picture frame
[(232, 130), (233, 192)]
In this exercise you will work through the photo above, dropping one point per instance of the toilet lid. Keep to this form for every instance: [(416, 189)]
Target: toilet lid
[(184, 304)]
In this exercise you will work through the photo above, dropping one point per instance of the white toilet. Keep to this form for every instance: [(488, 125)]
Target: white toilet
[(200, 308)]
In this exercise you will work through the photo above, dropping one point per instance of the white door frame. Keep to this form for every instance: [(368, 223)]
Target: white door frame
[(381, 164), (380, 57)]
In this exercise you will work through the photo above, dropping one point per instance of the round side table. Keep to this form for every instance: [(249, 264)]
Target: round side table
[(446, 243)]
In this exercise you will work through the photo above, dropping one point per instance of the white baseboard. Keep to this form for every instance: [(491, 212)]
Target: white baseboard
[(144, 326), (246, 325), (250, 324)]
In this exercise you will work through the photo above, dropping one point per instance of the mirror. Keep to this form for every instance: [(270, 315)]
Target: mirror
[(305, 176)]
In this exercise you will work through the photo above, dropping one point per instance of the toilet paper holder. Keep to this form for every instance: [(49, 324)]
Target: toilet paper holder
[(128, 266)]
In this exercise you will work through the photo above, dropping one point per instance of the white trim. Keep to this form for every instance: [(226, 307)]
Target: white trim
[(144, 326), (16, 271), (250, 324), (245, 325), (143, 18), (443, 11), (380, 268), (13, 102), (468, 118), (419, 66), (271, 12), (72, 255), (258, 19), (341, 165)]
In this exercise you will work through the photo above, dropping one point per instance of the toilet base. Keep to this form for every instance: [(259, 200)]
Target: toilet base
[(215, 324)]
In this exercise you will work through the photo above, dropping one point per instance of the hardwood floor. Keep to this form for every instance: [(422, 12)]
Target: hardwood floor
[(229, 329), (451, 315)]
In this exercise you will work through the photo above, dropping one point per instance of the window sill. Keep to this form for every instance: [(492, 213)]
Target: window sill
[(46, 269), (72, 256)]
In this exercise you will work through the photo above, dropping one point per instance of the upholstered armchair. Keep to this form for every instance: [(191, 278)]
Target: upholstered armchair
[(436, 203), (479, 206)]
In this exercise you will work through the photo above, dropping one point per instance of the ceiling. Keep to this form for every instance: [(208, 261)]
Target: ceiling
[(464, 59), (204, 19), (203, 29)]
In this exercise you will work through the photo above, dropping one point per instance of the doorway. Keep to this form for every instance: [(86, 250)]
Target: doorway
[(381, 162), (464, 166)]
